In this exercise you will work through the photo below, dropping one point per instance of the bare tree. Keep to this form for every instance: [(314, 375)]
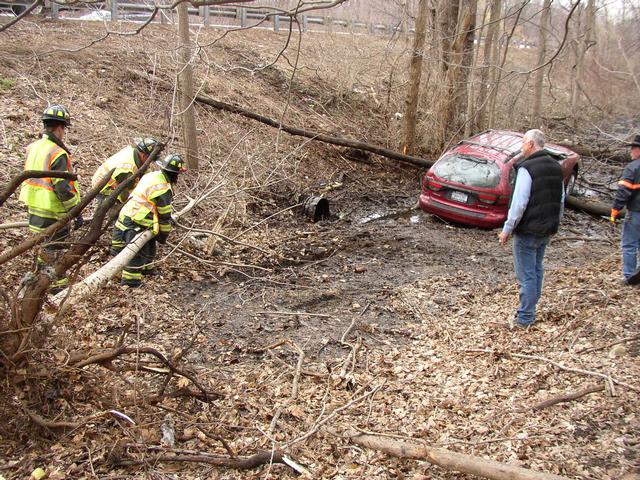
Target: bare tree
[(185, 81), (415, 75), (490, 57), (542, 52), (583, 40)]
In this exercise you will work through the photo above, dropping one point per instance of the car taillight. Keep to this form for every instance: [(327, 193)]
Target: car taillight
[(431, 185), (487, 198)]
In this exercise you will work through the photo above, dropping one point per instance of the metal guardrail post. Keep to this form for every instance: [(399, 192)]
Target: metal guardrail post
[(243, 16), (204, 13), (276, 23), (55, 10), (304, 23), (114, 10)]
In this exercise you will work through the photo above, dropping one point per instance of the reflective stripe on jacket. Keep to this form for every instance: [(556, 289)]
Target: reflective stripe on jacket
[(39, 194), (628, 194), (122, 162), (142, 205)]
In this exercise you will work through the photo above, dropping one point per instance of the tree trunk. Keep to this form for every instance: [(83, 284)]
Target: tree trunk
[(462, 108), (447, 20), (490, 59), (493, 96), (415, 75), (539, 74), (185, 80), (453, 101)]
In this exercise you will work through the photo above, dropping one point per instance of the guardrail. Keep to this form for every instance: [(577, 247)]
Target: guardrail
[(222, 16)]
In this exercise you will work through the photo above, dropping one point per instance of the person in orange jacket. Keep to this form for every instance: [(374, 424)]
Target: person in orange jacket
[(628, 196)]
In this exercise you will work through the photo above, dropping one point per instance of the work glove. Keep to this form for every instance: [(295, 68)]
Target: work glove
[(78, 222), (614, 216)]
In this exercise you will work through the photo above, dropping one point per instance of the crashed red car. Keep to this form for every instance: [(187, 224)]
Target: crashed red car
[(471, 183)]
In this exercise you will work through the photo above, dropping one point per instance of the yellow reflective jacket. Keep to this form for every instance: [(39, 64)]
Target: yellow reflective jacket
[(39, 194), (150, 203), (123, 162)]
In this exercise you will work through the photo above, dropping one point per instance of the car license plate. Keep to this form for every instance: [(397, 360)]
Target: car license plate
[(459, 196)]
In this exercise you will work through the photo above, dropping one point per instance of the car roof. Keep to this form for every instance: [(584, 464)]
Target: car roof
[(495, 145)]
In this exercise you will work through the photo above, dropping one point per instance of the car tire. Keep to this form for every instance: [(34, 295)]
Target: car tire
[(571, 184)]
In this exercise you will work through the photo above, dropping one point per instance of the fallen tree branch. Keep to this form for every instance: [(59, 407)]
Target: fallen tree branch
[(108, 356), (300, 132), (9, 225), (358, 397), (602, 347), (18, 179), (240, 463), (565, 397), (26, 12), (101, 276), (41, 237), (610, 380), (452, 461)]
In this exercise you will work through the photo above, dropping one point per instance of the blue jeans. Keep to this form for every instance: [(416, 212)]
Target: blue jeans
[(528, 253), (630, 243)]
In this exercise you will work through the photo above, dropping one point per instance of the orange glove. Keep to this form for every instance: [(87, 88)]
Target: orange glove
[(614, 216)]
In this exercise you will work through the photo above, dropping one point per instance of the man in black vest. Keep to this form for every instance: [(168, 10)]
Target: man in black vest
[(534, 215)]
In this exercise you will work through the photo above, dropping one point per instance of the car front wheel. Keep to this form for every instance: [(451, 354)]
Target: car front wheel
[(571, 184)]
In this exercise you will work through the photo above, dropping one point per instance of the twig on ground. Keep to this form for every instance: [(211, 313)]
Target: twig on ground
[(611, 381)]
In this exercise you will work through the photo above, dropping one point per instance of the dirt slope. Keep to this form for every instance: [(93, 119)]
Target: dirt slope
[(420, 302)]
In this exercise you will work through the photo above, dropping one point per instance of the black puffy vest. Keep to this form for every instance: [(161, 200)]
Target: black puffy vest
[(542, 215)]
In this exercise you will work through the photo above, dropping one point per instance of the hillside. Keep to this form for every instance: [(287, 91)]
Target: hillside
[(378, 319)]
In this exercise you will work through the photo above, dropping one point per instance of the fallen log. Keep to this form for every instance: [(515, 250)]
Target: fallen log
[(300, 132), (97, 279), (321, 137), (593, 208), (617, 155), (453, 461)]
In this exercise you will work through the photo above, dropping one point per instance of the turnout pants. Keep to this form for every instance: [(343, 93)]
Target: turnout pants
[(124, 232), (54, 246)]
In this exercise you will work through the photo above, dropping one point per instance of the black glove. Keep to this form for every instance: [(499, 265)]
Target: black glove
[(78, 222)]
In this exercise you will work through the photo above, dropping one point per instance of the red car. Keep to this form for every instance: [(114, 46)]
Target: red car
[(472, 182)]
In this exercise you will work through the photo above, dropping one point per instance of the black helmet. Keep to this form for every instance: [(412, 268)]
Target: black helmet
[(172, 163), (145, 145), (56, 113)]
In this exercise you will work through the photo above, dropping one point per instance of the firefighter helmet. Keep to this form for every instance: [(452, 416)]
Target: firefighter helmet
[(172, 163), (145, 145), (56, 113)]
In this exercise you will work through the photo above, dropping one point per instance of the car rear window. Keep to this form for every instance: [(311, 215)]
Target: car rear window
[(469, 171)]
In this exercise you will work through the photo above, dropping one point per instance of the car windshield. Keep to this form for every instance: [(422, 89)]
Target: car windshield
[(469, 171)]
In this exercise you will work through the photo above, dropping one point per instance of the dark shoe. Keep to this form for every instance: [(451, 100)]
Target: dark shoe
[(513, 324), (130, 283), (150, 272)]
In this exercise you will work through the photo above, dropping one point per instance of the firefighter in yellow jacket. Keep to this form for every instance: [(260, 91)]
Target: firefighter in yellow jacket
[(124, 164), (49, 199), (149, 208)]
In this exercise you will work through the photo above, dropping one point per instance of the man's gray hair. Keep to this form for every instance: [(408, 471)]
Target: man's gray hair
[(536, 136)]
